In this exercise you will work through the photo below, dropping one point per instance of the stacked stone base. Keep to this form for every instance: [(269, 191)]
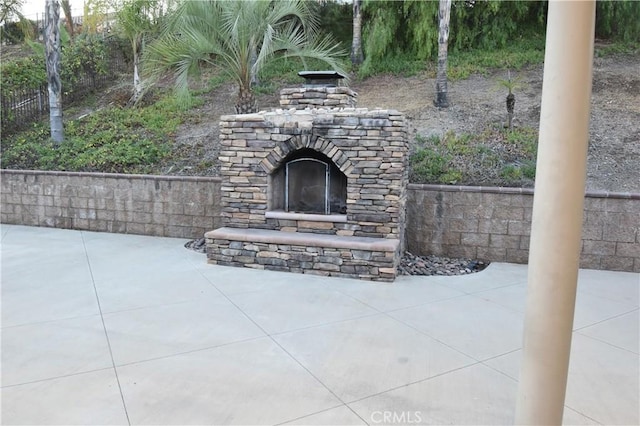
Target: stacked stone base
[(327, 255)]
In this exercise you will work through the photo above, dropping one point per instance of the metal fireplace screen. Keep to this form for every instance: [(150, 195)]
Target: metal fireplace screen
[(314, 186)]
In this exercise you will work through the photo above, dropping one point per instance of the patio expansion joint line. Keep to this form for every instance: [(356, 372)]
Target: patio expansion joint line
[(270, 336), (606, 319), (424, 333), (324, 324), (56, 377), (419, 305), (208, 348), (104, 327), (318, 412), (47, 321), (607, 343), (444, 373), (597, 422), (474, 293)]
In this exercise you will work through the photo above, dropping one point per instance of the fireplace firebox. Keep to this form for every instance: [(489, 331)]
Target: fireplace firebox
[(308, 182)]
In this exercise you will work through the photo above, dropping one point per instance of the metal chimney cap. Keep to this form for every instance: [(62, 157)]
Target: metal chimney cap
[(321, 78), (321, 75)]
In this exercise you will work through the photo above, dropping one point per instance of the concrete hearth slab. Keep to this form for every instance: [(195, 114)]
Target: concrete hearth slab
[(252, 235), (168, 339)]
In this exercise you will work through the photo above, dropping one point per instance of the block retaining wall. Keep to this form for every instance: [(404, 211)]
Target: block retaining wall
[(167, 206), (444, 220), (495, 223)]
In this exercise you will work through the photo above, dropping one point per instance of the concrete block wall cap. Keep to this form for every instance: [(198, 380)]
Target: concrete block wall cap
[(242, 117), (253, 235), (113, 175), (512, 190)]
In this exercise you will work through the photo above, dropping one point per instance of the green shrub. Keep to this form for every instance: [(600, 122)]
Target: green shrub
[(87, 55), (427, 165), (495, 156), (23, 74), (118, 140), (511, 172)]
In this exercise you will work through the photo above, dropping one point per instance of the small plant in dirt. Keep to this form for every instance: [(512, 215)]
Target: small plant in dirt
[(511, 84)]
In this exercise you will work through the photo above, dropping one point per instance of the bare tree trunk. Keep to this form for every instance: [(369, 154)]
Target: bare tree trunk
[(66, 8), (252, 63), (137, 82), (52, 49), (443, 41), (511, 104), (356, 41)]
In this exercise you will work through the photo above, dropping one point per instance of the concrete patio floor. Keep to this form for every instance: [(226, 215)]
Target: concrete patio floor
[(104, 328)]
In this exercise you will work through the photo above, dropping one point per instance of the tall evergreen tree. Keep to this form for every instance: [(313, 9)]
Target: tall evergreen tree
[(52, 51)]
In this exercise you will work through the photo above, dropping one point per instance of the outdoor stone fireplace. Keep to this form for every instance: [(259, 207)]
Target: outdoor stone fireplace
[(318, 191)]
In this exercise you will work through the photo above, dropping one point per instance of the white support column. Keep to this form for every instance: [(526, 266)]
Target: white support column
[(557, 212)]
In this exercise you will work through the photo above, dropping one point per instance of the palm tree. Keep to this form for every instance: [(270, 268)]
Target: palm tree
[(443, 41), (52, 51), (224, 34), (136, 19), (356, 41)]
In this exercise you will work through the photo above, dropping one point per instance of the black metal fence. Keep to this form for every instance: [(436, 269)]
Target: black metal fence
[(22, 107)]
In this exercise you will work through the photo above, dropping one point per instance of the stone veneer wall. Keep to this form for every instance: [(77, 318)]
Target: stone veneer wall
[(494, 224), (167, 206), (327, 255), (369, 147), (317, 97)]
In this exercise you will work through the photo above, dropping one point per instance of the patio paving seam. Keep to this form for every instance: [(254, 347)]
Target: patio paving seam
[(26, 324), (56, 377), (320, 412), (208, 348), (138, 308), (275, 341), (310, 327), (438, 340), (390, 311), (583, 414), (444, 373), (606, 319), (474, 293), (607, 343), (104, 327)]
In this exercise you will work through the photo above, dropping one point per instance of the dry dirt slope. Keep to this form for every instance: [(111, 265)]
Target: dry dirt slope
[(476, 102)]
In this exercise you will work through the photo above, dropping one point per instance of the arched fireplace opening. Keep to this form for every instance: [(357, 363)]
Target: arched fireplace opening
[(307, 181)]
